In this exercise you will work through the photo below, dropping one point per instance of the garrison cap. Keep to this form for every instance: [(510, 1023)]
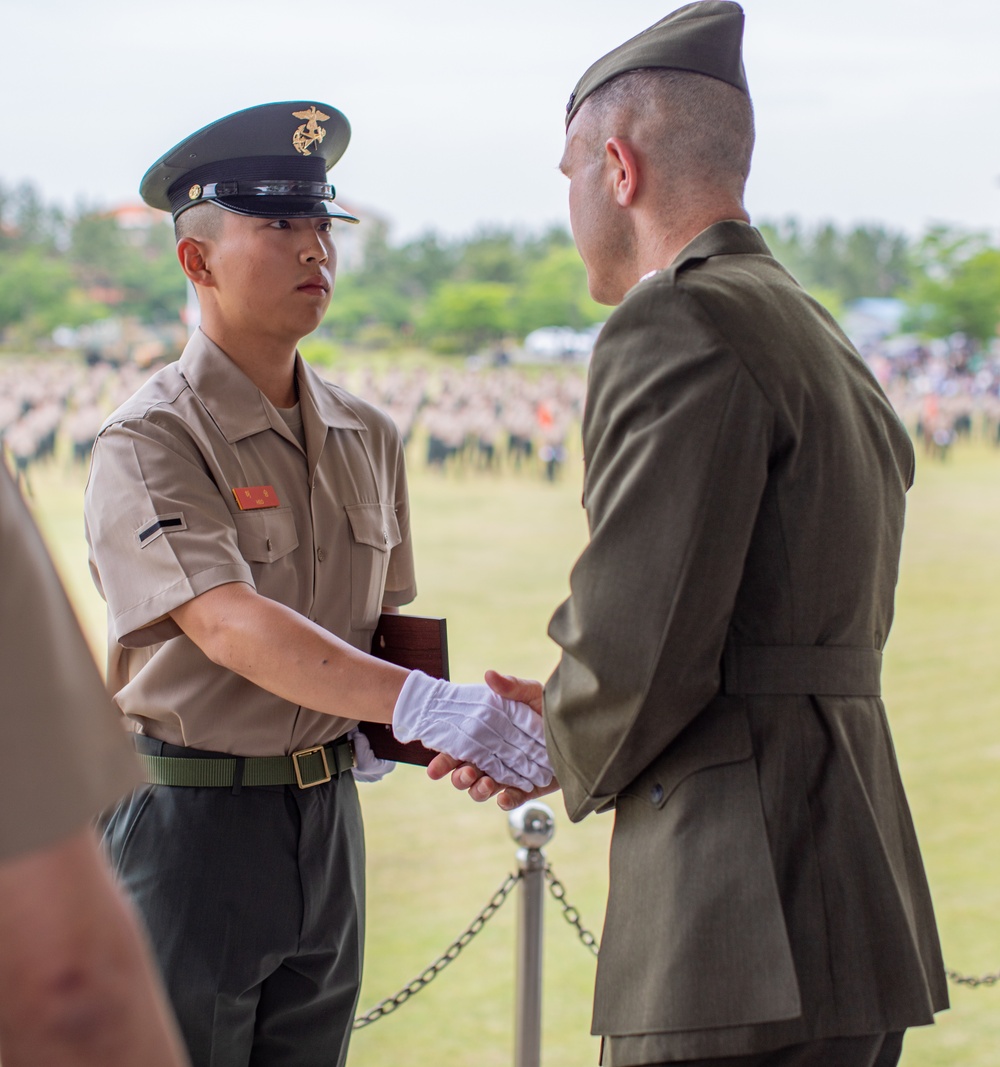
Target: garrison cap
[(269, 161), (705, 38)]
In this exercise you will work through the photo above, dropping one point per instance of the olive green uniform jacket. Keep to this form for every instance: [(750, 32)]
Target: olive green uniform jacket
[(719, 681)]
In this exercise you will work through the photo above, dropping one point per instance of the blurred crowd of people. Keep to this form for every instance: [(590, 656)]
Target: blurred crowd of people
[(944, 389), (44, 400), (495, 418), (484, 420)]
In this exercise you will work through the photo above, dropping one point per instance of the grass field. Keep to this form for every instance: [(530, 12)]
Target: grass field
[(493, 556)]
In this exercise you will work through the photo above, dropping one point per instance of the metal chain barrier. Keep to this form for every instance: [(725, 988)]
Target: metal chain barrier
[(532, 827), (570, 914), (558, 891), (452, 952), (971, 981)]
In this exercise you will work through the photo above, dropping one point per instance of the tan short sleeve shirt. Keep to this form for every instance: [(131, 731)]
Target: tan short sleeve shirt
[(63, 754), (197, 481)]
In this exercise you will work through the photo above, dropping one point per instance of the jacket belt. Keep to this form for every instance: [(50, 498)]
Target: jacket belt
[(305, 768), (808, 670)]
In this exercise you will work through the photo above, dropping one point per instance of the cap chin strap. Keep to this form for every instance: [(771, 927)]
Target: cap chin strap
[(216, 190), (267, 198)]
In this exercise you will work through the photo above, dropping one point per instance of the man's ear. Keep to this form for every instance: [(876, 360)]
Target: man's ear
[(193, 257), (624, 167)]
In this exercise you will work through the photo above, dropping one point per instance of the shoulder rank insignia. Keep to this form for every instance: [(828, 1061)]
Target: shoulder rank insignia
[(251, 497), (151, 529)]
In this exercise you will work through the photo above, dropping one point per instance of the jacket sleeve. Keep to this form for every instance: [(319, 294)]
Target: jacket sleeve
[(676, 440)]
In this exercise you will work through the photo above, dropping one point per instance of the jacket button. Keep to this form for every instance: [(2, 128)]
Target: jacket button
[(656, 793), (320, 554)]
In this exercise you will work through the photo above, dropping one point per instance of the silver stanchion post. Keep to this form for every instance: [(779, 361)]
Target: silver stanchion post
[(532, 826)]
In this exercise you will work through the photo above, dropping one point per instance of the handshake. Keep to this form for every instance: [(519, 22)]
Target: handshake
[(490, 738)]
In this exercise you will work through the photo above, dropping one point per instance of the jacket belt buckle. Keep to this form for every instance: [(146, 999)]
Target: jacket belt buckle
[(308, 783)]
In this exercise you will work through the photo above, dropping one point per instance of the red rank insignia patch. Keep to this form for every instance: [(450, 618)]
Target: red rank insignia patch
[(251, 497)]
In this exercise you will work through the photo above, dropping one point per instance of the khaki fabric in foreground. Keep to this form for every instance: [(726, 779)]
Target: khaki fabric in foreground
[(63, 753)]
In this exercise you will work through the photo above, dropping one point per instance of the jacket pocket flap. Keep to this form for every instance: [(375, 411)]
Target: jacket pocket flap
[(720, 734), (374, 524)]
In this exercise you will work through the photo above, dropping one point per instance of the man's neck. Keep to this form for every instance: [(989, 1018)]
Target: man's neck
[(658, 245), (267, 362)]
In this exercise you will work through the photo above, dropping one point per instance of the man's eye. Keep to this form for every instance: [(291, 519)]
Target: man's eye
[(281, 224), (326, 227)]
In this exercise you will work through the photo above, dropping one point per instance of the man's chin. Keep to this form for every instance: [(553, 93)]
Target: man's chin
[(603, 293), (603, 285)]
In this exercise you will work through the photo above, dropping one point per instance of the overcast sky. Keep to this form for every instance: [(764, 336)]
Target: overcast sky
[(867, 110)]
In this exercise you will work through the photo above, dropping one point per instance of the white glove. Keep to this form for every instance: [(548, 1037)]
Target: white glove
[(503, 738), (367, 766)]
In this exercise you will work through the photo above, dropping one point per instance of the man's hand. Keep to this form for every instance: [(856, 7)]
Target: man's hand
[(526, 690), (481, 787), (501, 736)]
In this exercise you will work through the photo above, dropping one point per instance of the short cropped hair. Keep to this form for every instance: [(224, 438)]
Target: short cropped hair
[(201, 222), (699, 124)]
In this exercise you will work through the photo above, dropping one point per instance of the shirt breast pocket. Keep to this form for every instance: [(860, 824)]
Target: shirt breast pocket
[(266, 535), (374, 533)]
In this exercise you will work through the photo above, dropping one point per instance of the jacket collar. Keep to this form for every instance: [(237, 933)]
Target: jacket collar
[(728, 238), (238, 406)]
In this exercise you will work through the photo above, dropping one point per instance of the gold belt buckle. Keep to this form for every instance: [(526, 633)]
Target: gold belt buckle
[(296, 756)]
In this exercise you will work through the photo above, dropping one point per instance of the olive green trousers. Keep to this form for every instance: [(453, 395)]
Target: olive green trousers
[(254, 902)]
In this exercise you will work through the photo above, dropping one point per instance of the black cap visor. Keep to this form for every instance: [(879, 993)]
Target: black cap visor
[(285, 207), (265, 187), (274, 199)]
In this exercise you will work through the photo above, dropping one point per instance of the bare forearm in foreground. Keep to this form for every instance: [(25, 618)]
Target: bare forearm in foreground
[(77, 984)]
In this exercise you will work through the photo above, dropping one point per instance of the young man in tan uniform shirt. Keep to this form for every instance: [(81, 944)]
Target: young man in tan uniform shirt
[(248, 523), (77, 986)]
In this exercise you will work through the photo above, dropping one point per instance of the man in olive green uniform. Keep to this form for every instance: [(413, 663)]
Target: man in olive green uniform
[(77, 986), (721, 647), (248, 522)]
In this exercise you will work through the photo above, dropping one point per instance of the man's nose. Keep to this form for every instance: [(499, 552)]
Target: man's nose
[(314, 250)]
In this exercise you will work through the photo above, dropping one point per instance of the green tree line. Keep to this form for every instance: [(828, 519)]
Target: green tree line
[(69, 268), (459, 295)]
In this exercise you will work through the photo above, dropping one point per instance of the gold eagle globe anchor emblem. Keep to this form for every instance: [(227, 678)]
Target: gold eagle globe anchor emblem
[(310, 132)]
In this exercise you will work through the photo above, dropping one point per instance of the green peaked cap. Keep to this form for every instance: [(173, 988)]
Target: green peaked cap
[(706, 38)]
